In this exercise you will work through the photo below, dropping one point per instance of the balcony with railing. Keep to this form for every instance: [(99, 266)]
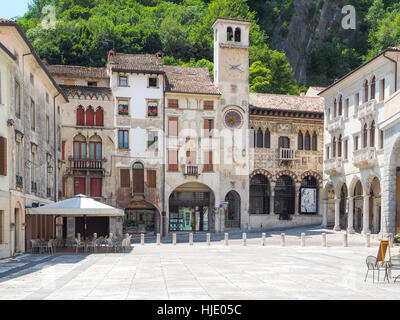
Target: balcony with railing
[(287, 154), (87, 163), (367, 109), (191, 170), (365, 157), (333, 166), (19, 182), (335, 125)]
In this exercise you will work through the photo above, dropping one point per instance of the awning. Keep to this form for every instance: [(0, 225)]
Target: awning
[(77, 206)]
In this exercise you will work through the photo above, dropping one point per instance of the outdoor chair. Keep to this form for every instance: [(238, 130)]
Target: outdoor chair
[(79, 244), (117, 245), (388, 271), (92, 245), (43, 246), (35, 245), (374, 265), (50, 246)]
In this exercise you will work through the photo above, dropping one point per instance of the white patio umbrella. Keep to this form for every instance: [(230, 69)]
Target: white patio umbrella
[(78, 206)]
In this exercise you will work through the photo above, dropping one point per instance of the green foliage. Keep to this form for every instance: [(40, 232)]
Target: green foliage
[(259, 78)]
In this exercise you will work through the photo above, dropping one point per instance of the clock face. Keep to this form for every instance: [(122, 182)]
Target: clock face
[(233, 119)]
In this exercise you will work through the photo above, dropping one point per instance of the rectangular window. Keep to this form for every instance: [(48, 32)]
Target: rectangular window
[(92, 84), (33, 115), (152, 109), (381, 140), (123, 139), (151, 179), (327, 152), (17, 99), (32, 79), (355, 143), (95, 187), (346, 108), (209, 105), (125, 178), (173, 103), (208, 161), (47, 129), (208, 127), (123, 81), (153, 82), (3, 156), (346, 149), (152, 140), (173, 127), (123, 107), (63, 151), (173, 160)]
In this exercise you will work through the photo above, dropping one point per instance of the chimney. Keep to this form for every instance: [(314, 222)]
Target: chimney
[(111, 55), (160, 56), (302, 93)]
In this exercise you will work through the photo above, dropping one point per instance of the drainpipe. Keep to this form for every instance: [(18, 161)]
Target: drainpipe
[(395, 71), (55, 184), (163, 213)]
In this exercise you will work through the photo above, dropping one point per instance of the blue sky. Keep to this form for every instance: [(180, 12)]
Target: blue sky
[(13, 8)]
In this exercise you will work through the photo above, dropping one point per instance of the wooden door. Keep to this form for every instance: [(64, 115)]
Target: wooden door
[(79, 186), (138, 178), (95, 187)]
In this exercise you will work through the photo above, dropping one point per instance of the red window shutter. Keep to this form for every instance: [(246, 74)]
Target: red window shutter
[(151, 178), (208, 163), (173, 160), (63, 150), (80, 117), (90, 117), (3, 156), (173, 103), (124, 178), (95, 187), (99, 117), (138, 180), (79, 186), (209, 105)]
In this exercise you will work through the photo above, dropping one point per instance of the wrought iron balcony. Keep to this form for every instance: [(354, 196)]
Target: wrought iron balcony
[(286, 154), (335, 125), (333, 166), (191, 170), (367, 109), (365, 157), (86, 163), (19, 182), (33, 186)]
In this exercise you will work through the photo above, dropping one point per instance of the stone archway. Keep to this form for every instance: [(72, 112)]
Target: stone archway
[(329, 205), (374, 192), (343, 206), (358, 206), (285, 197), (232, 214)]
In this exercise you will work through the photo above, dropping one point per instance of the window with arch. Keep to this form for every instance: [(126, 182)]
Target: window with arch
[(237, 35), (267, 139), (229, 34), (365, 98), (260, 138), (79, 147), (138, 177), (372, 135), (95, 148), (334, 109), (252, 138), (307, 141), (373, 85), (99, 117), (259, 195), (314, 141), (300, 140), (80, 116), (334, 147), (340, 112), (365, 136), (340, 146), (90, 116)]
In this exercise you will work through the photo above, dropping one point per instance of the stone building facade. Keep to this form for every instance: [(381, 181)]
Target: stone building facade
[(33, 149), (87, 144), (361, 188), (286, 160)]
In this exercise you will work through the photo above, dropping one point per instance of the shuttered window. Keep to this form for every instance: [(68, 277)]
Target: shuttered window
[(173, 127), (3, 156), (208, 127), (173, 160), (95, 187), (63, 151), (124, 177), (173, 103), (151, 179), (99, 117), (208, 163), (90, 116), (209, 105)]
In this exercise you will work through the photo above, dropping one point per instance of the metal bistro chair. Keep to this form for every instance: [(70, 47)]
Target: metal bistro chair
[(43, 246), (79, 244), (373, 265), (92, 245), (35, 245), (50, 246)]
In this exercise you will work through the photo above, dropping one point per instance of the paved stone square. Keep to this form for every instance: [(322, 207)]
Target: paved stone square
[(205, 272)]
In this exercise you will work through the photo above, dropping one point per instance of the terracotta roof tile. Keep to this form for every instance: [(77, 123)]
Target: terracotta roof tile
[(286, 103), (135, 62), (189, 80), (78, 71), (97, 92)]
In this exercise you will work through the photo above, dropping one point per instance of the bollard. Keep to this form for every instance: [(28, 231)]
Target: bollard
[(208, 239), (244, 239), (368, 240), (174, 239), (303, 239), (158, 239), (324, 239), (282, 239), (263, 239), (345, 240), (391, 240), (142, 239), (191, 238), (226, 238)]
